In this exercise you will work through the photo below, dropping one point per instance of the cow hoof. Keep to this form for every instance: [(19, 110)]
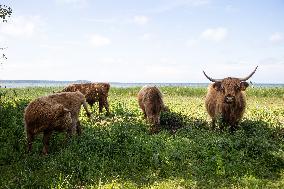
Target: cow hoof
[(154, 131)]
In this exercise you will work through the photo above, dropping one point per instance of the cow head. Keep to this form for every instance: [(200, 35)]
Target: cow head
[(230, 87), (63, 118)]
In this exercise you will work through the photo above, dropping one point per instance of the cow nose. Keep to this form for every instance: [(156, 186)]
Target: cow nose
[(229, 99)]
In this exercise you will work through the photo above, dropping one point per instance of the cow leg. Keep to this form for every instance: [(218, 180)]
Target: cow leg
[(78, 128), (70, 130), (233, 127), (144, 112), (155, 128), (213, 124), (30, 138), (222, 126), (223, 123), (100, 106), (145, 115), (106, 107), (46, 137), (91, 104), (74, 124), (68, 135)]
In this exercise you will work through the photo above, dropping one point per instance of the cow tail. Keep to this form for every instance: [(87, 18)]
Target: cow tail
[(86, 109)]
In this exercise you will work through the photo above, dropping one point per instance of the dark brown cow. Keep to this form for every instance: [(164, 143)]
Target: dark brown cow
[(44, 116), (150, 100), (94, 92), (226, 99)]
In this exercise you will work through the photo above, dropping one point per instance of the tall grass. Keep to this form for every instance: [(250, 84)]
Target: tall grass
[(118, 152)]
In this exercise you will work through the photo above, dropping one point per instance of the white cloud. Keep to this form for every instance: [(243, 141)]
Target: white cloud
[(103, 20), (272, 61), (21, 26), (109, 60), (231, 9), (140, 20), (171, 5), (162, 70), (147, 36), (198, 2), (211, 34), (52, 47), (59, 45), (276, 37), (214, 34), (97, 40), (192, 42), (2, 39), (34, 69), (167, 61), (75, 3), (112, 61), (69, 1)]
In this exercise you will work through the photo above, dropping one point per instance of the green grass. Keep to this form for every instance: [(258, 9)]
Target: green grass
[(118, 151)]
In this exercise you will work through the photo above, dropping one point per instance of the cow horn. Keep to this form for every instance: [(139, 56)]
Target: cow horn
[(246, 78), (211, 79)]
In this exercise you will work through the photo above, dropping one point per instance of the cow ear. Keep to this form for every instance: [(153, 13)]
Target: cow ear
[(244, 85), (217, 85)]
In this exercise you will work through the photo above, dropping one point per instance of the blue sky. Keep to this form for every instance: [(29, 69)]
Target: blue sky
[(143, 41)]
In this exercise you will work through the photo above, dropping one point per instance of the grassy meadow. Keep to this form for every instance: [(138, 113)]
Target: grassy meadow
[(118, 152)]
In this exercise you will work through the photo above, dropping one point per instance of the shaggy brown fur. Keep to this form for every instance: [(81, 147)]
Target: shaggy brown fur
[(45, 116), (226, 100), (69, 100), (72, 101), (150, 100), (94, 92)]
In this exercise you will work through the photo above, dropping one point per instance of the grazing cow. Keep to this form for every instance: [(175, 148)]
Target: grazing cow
[(94, 92), (226, 99), (70, 101), (44, 116), (150, 100)]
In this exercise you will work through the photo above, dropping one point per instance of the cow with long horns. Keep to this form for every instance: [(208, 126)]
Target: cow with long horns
[(225, 99)]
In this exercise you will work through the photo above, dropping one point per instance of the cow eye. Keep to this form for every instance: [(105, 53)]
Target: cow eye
[(237, 88), (222, 89)]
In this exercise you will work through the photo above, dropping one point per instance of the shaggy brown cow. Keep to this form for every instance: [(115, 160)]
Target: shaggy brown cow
[(226, 99), (72, 101), (94, 92), (37, 118), (45, 116), (150, 100)]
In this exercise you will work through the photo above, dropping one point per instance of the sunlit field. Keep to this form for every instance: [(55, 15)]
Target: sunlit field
[(117, 151)]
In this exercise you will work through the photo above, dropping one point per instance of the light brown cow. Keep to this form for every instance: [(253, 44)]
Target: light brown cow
[(150, 100), (94, 92), (72, 101), (225, 99), (41, 115)]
